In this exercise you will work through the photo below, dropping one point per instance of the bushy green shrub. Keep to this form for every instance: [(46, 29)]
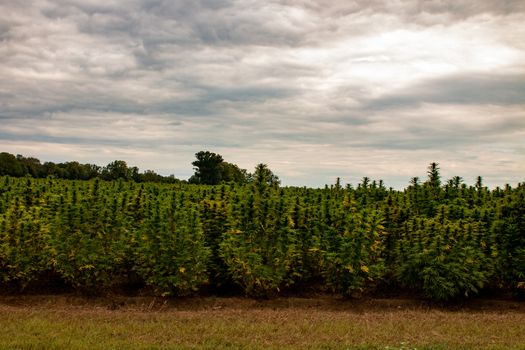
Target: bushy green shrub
[(25, 251), (443, 260), (171, 255), (353, 259)]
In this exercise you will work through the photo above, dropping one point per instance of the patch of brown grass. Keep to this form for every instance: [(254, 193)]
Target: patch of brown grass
[(61, 322)]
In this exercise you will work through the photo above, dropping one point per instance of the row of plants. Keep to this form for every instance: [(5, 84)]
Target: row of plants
[(443, 240)]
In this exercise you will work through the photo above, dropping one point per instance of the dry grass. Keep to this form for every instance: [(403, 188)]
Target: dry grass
[(51, 322)]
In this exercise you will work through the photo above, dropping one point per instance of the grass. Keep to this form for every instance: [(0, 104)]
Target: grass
[(51, 322)]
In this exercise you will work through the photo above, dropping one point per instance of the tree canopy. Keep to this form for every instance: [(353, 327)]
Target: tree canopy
[(207, 168), (18, 166), (263, 174), (211, 169)]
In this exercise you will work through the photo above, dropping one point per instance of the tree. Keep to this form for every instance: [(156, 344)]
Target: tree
[(414, 182), (10, 165), (150, 176), (31, 165), (263, 174), (433, 192), (207, 168), (116, 170), (232, 173), (434, 178), (52, 169)]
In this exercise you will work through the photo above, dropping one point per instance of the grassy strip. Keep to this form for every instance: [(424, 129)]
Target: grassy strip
[(249, 325)]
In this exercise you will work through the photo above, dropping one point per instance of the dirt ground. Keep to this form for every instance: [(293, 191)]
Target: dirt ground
[(318, 302)]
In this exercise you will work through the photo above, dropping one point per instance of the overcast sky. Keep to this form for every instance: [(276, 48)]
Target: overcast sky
[(314, 89)]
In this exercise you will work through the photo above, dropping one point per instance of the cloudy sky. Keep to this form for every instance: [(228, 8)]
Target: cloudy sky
[(315, 89)]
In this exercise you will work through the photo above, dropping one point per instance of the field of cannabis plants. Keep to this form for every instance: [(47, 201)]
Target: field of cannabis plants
[(445, 240)]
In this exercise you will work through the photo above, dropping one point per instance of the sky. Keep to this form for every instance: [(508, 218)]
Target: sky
[(314, 89)]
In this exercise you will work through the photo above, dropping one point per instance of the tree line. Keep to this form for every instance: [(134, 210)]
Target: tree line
[(210, 169), (20, 166)]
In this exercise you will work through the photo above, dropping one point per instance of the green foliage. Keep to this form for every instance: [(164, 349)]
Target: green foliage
[(171, 255), (90, 264), (263, 175), (443, 238), (10, 165), (25, 251), (211, 169), (444, 260), (232, 173), (20, 166), (260, 248), (354, 260), (207, 168), (508, 238), (118, 169)]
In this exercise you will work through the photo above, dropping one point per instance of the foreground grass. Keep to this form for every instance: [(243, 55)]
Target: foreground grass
[(214, 323)]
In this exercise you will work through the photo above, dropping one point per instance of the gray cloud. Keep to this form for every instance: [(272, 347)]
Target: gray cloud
[(413, 8), (481, 88), (316, 89)]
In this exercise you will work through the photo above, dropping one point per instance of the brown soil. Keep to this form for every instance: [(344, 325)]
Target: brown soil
[(318, 302)]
